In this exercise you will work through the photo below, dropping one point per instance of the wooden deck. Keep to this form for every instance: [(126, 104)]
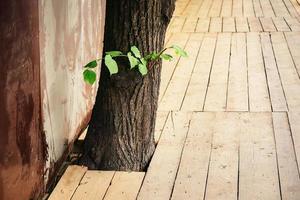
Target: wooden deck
[(228, 125)]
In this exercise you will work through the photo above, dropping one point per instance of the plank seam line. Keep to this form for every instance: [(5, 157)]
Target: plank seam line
[(273, 52), (181, 153), (110, 183), (292, 137), (78, 185), (277, 163), (229, 66), (211, 66), (190, 78)]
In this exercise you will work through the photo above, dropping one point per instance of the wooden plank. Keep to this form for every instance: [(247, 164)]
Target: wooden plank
[(193, 8), (161, 118), (177, 24), (180, 6), (267, 8), (168, 67), (191, 177), (125, 185), (68, 183), (258, 90), (294, 119), (293, 40), (195, 95), (293, 23), (190, 25), (275, 88), (280, 24), (203, 25), (237, 8), (241, 24), (215, 8), (181, 77), (258, 175), (279, 8), (237, 97), (254, 24), (228, 24), (93, 185), (160, 177), (215, 25), (257, 8), (248, 8), (287, 165), (288, 73), (291, 8), (226, 8), (222, 180), (203, 11), (267, 24), (217, 88)]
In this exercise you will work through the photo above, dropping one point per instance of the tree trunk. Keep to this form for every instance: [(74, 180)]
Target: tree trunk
[(121, 130)]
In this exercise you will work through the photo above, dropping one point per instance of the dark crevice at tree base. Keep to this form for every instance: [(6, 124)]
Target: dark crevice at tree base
[(121, 130)]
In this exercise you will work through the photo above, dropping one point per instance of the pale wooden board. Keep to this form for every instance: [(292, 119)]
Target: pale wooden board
[(258, 90), (237, 8), (267, 24), (293, 40), (190, 25), (125, 186), (287, 70), (193, 8), (293, 23), (296, 4), (254, 24), (191, 178), (177, 24), (237, 97), (277, 97), (217, 88), (180, 6), (195, 95), (160, 177), (68, 183), (161, 118), (228, 24), (291, 8), (215, 8), (257, 8), (204, 9), (215, 24), (168, 67), (203, 25), (181, 77), (287, 165), (223, 169), (258, 175), (226, 8), (280, 24), (267, 8), (241, 24), (248, 8), (93, 185), (279, 8), (294, 119)]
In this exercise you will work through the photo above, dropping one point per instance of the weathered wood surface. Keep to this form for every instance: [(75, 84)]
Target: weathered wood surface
[(229, 115)]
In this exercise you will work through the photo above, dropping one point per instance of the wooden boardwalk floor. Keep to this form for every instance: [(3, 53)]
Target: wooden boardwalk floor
[(228, 125)]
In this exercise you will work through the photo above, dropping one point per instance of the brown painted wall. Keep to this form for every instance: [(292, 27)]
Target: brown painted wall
[(44, 103), (21, 141)]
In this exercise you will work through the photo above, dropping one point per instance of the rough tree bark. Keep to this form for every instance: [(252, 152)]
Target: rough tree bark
[(121, 130)]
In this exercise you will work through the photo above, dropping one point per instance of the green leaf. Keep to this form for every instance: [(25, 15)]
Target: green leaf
[(91, 64), (132, 60), (114, 53), (152, 56), (89, 76), (136, 52), (166, 57), (179, 51), (111, 64), (143, 69)]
